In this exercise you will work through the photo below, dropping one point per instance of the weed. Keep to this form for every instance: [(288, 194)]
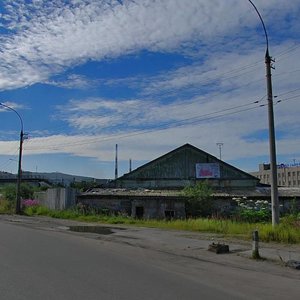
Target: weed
[(285, 232)]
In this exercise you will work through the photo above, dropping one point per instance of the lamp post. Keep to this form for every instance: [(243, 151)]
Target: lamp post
[(272, 146), (19, 178)]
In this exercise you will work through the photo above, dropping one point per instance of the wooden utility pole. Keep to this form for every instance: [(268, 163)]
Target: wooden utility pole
[(19, 179)]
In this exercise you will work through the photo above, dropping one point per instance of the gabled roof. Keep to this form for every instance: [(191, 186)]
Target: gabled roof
[(180, 164)]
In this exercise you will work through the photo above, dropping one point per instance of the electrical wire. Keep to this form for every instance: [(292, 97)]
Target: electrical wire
[(287, 99), (289, 92), (169, 125), (287, 51)]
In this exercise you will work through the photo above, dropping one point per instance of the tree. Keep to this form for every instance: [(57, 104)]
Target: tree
[(199, 200), (84, 185), (9, 192)]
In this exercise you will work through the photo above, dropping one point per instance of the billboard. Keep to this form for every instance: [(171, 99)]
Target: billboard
[(208, 170)]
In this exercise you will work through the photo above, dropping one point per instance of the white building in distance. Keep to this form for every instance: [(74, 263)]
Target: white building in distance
[(288, 175)]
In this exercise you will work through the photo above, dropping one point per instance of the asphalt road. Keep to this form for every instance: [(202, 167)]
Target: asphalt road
[(46, 262)]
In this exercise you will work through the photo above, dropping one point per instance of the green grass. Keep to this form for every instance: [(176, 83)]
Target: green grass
[(286, 232), (6, 207)]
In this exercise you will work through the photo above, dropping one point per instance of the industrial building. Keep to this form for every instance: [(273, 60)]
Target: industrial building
[(185, 166), (154, 190), (288, 175)]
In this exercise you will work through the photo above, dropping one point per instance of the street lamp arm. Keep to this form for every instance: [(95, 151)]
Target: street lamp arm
[(10, 108), (19, 179), (263, 24)]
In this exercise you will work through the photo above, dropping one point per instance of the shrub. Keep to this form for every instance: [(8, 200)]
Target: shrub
[(252, 211), (30, 202), (6, 207), (199, 200), (9, 191)]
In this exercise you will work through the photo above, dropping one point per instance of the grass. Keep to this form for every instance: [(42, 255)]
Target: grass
[(286, 232), (6, 207)]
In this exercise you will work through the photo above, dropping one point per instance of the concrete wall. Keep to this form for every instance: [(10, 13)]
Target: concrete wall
[(137, 207), (57, 198), (158, 209), (103, 203)]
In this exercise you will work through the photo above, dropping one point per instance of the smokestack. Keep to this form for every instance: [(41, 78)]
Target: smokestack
[(130, 163), (116, 163)]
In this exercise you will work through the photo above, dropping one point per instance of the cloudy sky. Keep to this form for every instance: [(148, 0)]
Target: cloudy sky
[(148, 75)]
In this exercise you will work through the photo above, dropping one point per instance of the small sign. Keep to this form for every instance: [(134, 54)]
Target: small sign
[(208, 170)]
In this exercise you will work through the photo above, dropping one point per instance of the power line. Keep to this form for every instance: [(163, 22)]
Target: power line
[(287, 99), (169, 125), (287, 51), (172, 124), (166, 126), (288, 92)]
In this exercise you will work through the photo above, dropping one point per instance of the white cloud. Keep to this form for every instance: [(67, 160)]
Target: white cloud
[(12, 105), (46, 36), (140, 146), (124, 119), (73, 81)]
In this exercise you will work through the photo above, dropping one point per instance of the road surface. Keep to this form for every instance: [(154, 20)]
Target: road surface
[(50, 262)]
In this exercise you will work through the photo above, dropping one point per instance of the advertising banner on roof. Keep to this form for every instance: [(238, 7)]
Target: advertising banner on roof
[(208, 170)]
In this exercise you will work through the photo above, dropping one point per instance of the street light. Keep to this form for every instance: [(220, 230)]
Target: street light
[(19, 178), (272, 146)]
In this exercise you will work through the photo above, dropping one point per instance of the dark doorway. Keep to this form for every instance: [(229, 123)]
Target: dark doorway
[(169, 214), (139, 212)]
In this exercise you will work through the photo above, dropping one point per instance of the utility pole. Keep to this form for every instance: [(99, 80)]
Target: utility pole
[(220, 145), (130, 165), (272, 146), (19, 177), (273, 163), (116, 162), (18, 196)]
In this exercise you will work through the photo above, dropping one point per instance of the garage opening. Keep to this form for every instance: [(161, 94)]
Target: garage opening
[(139, 212)]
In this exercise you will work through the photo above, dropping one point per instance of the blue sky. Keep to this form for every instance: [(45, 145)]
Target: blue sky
[(148, 75)]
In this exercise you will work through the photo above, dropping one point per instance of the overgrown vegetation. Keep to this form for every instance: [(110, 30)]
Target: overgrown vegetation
[(287, 232), (9, 191), (252, 211), (6, 206), (199, 201), (83, 185), (249, 215), (8, 196)]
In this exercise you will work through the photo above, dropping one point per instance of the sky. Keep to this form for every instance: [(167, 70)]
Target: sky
[(148, 75)]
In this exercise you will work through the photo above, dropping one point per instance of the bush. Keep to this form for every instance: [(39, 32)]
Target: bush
[(10, 192), (29, 202), (199, 200), (252, 211), (6, 207)]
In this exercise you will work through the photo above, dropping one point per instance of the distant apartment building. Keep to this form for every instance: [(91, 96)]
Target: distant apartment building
[(288, 175)]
